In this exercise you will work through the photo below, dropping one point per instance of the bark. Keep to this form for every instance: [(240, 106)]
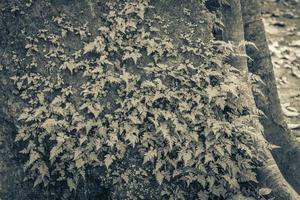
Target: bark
[(269, 175), (234, 32), (10, 171), (288, 156)]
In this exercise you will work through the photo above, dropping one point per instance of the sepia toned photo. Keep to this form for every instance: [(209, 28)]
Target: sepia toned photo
[(149, 100)]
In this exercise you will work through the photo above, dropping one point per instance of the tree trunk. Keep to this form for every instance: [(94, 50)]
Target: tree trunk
[(288, 156), (234, 33), (270, 174)]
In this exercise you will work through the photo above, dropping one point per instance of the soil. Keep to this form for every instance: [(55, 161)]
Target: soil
[(282, 23)]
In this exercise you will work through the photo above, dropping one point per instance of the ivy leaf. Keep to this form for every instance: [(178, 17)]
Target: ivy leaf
[(132, 138), (125, 177), (231, 181), (223, 3), (82, 139), (133, 55), (201, 179), (186, 157), (20, 135), (141, 12), (79, 163), (71, 184), (109, 160), (151, 46), (23, 116), (162, 66), (264, 191), (97, 45), (219, 150), (165, 132), (37, 181), (126, 76), (70, 65), (151, 154), (54, 152), (49, 125), (43, 169), (60, 138), (208, 158), (95, 110), (231, 88), (248, 176), (148, 84), (93, 157), (212, 92), (121, 24), (194, 136), (221, 101), (33, 156), (77, 153), (159, 177)]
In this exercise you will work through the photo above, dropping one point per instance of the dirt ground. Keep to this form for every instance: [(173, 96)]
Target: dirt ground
[(282, 22)]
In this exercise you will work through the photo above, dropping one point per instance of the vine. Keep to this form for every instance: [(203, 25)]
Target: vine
[(149, 107)]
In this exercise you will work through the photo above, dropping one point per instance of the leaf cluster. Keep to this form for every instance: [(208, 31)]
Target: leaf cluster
[(160, 113)]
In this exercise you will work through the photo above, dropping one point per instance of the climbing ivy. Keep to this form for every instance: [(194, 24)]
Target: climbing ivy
[(157, 110)]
